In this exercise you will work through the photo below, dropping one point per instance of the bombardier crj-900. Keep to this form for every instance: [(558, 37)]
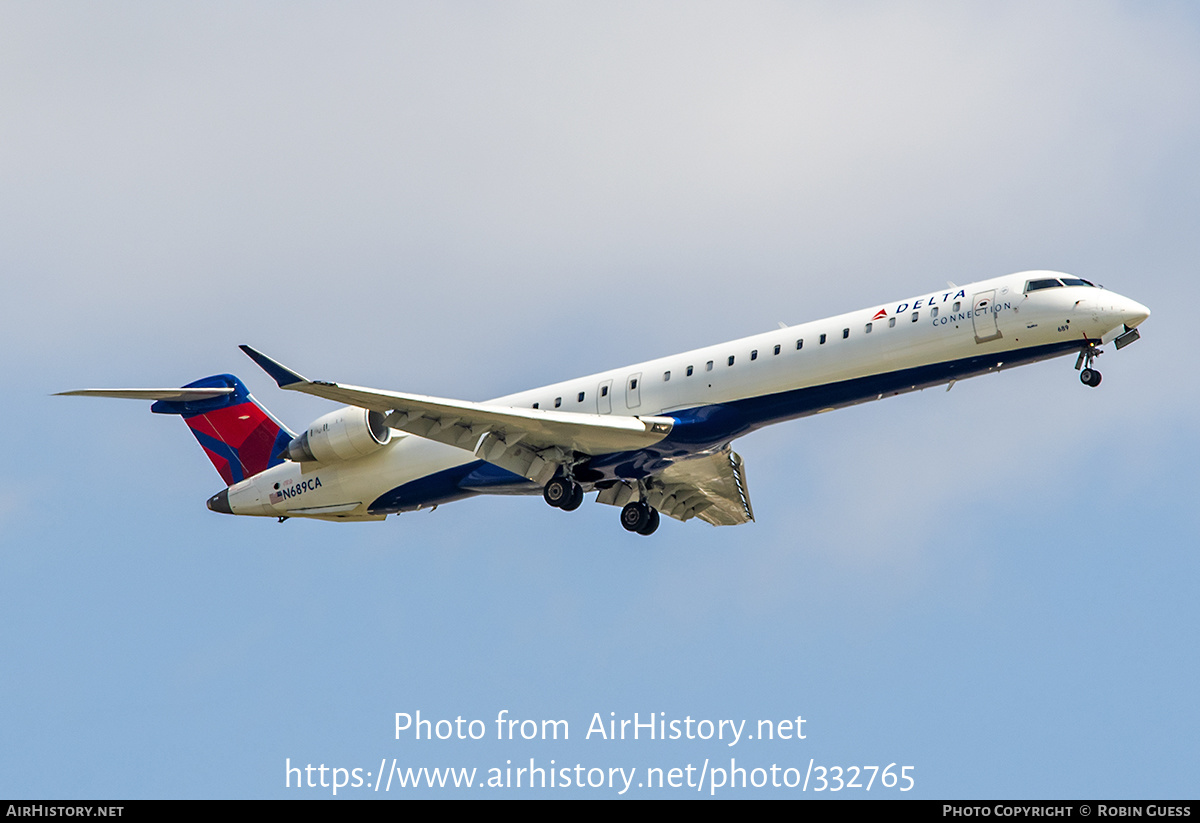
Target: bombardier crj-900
[(650, 438)]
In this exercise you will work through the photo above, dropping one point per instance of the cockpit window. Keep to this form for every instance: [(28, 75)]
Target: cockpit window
[(1076, 281), (1049, 283)]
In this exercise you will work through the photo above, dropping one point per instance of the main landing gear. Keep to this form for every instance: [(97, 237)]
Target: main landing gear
[(563, 493), (1088, 376), (566, 494), (640, 518)]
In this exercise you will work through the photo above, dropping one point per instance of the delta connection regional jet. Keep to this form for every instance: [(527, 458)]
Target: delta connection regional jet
[(652, 438)]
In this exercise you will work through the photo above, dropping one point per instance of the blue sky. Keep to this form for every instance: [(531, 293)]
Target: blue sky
[(994, 585)]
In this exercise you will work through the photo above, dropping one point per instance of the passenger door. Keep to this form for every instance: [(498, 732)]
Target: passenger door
[(984, 318)]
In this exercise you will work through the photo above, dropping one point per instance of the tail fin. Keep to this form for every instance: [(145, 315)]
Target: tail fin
[(240, 437)]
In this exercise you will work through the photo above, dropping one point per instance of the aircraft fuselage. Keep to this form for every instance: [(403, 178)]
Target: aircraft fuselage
[(717, 393)]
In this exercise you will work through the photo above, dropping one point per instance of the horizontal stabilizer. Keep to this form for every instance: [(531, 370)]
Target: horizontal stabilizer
[(240, 437), (185, 395)]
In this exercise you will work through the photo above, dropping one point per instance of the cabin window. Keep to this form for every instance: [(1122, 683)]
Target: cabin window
[(891, 322), (580, 400), (633, 383), (800, 344), (535, 405), (708, 366), (754, 354), (821, 341), (916, 314), (666, 376), (957, 306), (557, 402), (934, 312), (845, 333), (731, 360), (689, 371), (868, 329), (604, 391), (777, 349)]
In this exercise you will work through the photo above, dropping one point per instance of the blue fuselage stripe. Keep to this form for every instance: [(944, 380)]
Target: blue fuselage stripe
[(704, 427)]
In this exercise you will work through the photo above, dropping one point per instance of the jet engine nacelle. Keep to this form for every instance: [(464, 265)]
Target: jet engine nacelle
[(345, 434)]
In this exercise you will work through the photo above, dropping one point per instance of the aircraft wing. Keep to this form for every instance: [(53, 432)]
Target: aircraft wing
[(528, 442), (712, 487)]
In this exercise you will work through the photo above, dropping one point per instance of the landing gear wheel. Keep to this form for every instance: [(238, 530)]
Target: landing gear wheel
[(1090, 377), (574, 501), (651, 524), (558, 492), (635, 516)]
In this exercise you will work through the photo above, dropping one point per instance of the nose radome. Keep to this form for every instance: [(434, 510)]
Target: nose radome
[(1134, 313)]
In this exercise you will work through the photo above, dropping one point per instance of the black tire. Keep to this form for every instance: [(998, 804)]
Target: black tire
[(1090, 377), (575, 500), (635, 516), (651, 524), (557, 492)]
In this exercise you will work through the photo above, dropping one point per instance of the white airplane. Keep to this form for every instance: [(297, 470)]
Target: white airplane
[(649, 438)]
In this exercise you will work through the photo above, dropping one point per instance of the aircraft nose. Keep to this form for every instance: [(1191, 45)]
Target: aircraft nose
[(219, 502), (1134, 313)]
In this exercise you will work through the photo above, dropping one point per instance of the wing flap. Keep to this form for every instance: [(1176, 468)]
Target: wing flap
[(712, 487)]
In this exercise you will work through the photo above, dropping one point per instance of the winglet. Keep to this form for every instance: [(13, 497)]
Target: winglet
[(280, 373)]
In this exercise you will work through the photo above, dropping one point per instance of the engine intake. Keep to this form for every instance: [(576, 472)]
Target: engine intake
[(345, 434)]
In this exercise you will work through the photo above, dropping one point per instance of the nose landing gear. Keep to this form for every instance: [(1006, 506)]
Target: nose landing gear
[(1088, 376)]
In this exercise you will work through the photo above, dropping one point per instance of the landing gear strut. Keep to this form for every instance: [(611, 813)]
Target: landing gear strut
[(1088, 376), (640, 518)]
